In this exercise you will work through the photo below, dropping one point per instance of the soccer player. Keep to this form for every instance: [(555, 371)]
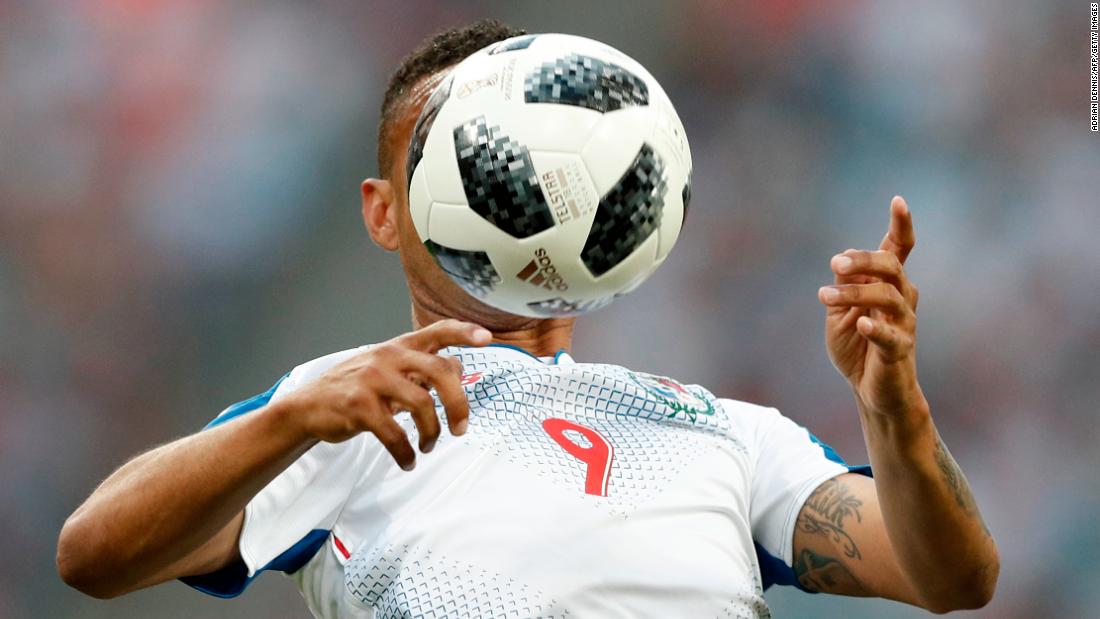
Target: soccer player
[(560, 487)]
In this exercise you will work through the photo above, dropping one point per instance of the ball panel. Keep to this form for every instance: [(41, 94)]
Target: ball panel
[(585, 81), (440, 164), (640, 278), (669, 136), (672, 219), (674, 216), (685, 195), (455, 225), (499, 179), (559, 307), (472, 270), (627, 214), (669, 230), (542, 269), (509, 45), (420, 203), (560, 128), (424, 124), (613, 143), (570, 193), (556, 44), (634, 267)]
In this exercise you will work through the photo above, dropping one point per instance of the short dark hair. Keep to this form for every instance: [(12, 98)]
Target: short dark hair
[(442, 50)]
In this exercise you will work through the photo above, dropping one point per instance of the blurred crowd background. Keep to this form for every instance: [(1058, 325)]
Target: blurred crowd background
[(179, 226)]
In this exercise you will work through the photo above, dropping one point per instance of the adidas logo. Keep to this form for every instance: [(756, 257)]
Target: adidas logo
[(541, 272)]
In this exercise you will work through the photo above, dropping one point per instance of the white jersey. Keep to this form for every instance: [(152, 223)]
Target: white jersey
[(580, 489)]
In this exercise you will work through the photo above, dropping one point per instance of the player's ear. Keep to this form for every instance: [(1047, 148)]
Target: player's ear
[(380, 212)]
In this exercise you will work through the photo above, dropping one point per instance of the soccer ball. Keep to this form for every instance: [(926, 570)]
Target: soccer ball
[(548, 174)]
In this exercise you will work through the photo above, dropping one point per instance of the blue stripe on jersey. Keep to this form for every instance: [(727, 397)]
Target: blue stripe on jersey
[(246, 406), (232, 580), (831, 454), (773, 570)]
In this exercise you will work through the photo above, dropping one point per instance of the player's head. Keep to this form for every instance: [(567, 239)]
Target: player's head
[(385, 200)]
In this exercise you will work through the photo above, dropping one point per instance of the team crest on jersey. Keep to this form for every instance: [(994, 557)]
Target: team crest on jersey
[(676, 396)]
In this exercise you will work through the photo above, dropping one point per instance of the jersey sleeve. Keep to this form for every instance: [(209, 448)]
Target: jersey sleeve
[(790, 463), (288, 521)]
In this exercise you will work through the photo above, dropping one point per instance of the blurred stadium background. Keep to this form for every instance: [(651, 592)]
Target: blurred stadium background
[(179, 226)]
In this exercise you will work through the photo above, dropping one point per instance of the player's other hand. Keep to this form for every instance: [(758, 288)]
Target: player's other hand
[(871, 320), (364, 393)]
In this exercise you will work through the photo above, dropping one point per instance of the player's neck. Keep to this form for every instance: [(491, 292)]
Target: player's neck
[(542, 337)]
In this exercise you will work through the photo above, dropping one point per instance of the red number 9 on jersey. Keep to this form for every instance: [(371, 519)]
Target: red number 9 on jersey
[(597, 456)]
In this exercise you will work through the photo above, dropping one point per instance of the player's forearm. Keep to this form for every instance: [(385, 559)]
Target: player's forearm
[(161, 508), (933, 522)]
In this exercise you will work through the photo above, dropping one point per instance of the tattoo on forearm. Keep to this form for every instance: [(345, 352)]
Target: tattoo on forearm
[(953, 476), (808, 524), (818, 573), (833, 501), (825, 513)]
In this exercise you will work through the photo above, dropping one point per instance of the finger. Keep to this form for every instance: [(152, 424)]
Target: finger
[(445, 375), (450, 365), (881, 264), (856, 278), (893, 342), (857, 267), (455, 404), (393, 438), (900, 237), (877, 295), (445, 333), (408, 396), (455, 363)]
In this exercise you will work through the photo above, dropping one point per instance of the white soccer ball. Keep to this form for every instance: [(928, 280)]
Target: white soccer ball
[(549, 174)]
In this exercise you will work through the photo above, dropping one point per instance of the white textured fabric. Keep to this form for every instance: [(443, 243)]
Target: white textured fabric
[(582, 490)]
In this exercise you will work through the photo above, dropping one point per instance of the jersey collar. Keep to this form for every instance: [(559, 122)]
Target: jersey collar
[(516, 353)]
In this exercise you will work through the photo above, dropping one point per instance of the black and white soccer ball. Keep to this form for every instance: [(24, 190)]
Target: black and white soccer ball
[(549, 174)]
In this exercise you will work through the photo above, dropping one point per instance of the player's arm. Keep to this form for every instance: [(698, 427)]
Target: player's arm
[(177, 510), (842, 545), (914, 533)]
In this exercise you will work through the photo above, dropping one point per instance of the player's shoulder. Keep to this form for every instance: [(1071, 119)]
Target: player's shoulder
[(311, 370), (748, 410), (749, 417)]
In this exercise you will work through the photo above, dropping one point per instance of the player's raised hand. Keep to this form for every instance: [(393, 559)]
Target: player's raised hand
[(363, 393), (871, 321)]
